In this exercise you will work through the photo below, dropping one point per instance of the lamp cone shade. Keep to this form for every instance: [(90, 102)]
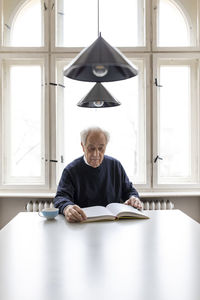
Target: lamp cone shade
[(98, 97), (100, 62)]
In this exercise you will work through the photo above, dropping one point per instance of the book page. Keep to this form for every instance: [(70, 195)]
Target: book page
[(123, 210), (98, 212)]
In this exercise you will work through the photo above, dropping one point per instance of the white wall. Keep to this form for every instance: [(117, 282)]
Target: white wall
[(188, 205), (10, 207)]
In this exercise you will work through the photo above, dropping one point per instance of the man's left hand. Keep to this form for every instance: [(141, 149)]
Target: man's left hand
[(134, 201)]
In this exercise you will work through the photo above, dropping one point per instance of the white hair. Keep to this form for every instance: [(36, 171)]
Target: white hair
[(84, 134)]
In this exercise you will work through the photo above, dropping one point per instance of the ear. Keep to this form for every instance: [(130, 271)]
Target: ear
[(83, 147)]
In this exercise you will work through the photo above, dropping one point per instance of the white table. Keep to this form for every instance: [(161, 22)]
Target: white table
[(155, 259)]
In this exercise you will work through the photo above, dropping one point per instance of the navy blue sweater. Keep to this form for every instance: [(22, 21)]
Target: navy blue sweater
[(86, 186)]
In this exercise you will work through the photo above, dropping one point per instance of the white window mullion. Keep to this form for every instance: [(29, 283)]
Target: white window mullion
[(195, 139), (45, 117), (1, 23), (56, 123), (46, 23), (5, 123), (154, 113)]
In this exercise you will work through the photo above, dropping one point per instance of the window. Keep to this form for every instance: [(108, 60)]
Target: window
[(70, 31), (154, 133), (122, 23), (173, 33), (20, 26), (177, 113), (23, 122), (127, 121), (177, 23)]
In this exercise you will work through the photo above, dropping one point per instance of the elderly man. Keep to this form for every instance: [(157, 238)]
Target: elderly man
[(93, 179)]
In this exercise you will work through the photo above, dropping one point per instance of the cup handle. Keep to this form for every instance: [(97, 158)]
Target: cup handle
[(39, 213)]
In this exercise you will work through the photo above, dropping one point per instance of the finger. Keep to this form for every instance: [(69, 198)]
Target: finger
[(70, 219), (81, 212), (138, 204), (135, 203), (75, 215), (132, 202), (72, 214), (129, 202)]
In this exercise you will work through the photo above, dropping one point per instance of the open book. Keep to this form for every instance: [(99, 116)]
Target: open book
[(112, 211)]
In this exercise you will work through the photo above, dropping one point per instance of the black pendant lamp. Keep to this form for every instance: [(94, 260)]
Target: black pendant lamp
[(98, 97), (100, 62)]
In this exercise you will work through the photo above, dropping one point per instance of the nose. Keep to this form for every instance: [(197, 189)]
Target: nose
[(96, 153)]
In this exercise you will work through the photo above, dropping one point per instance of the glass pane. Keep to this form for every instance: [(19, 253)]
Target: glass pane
[(76, 23), (175, 123), (20, 26), (23, 124), (121, 22), (181, 29), (126, 123)]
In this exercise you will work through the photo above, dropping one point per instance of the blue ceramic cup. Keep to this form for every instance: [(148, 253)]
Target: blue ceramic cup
[(49, 213)]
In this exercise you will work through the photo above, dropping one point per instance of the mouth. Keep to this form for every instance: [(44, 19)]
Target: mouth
[(95, 161)]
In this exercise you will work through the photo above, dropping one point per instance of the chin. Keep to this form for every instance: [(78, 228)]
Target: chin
[(95, 165)]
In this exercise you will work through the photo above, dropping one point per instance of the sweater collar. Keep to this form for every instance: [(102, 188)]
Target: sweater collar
[(98, 168), (85, 160)]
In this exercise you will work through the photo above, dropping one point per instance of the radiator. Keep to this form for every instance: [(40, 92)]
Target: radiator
[(34, 206), (157, 205)]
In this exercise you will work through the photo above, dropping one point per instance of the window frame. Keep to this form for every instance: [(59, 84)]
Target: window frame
[(45, 185), (50, 52), (59, 103), (171, 49), (147, 30), (185, 57), (46, 32)]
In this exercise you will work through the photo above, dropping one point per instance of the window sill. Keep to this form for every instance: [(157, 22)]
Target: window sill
[(27, 195), (169, 194), (51, 195)]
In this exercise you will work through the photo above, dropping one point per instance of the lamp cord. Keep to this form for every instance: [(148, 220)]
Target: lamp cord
[(98, 18)]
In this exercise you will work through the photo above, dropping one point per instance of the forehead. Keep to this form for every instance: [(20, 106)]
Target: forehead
[(96, 138)]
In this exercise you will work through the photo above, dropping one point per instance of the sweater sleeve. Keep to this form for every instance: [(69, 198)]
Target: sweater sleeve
[(65, 192), (128, 189)]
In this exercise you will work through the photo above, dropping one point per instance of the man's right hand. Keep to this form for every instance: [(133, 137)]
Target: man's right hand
[(73, 213)]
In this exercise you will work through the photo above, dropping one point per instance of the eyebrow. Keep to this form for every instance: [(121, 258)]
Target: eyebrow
[(97, 145)]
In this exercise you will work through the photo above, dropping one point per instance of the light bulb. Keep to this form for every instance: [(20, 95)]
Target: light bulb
[(98, 103), (100, 70)]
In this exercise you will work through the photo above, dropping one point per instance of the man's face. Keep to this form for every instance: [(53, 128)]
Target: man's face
[(94, 148)]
